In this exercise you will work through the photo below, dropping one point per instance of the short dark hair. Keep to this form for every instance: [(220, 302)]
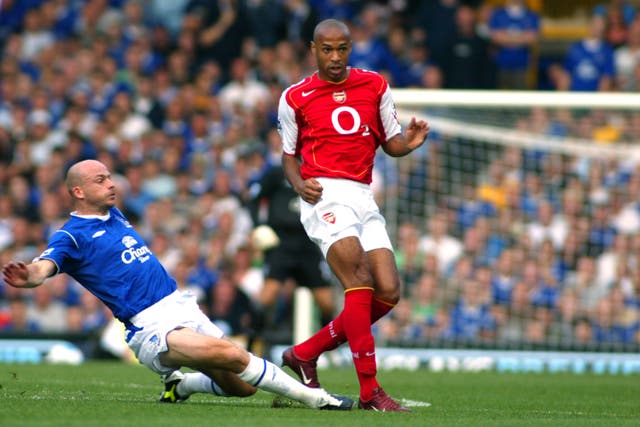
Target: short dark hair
[(330, 23)]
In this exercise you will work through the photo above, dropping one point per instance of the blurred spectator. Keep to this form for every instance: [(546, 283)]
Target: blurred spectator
[(561, 331), (439, 242), (611, 327), (627, 59), (504, 279), (434, 24), (584, 282), (513, 319), (168, 14), (427, 306), (626, 8), (220, 27), (36, 35), (243, 93), (466, 63), (18, 320), (589, 62), (471, 317), (547, 225), (231, 308), (515, 30), (47, 313), (368, 51), (607, 261), (343, 10), (408, 256)]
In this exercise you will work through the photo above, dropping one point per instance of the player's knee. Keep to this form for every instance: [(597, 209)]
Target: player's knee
[(363, 275), (236, 357)]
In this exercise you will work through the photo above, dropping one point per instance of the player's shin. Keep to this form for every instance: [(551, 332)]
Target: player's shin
[(357, 326), (197, 382), (265, 375)]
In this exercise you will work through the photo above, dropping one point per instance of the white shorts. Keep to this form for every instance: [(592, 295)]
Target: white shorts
[(147, 331), (347, 208)]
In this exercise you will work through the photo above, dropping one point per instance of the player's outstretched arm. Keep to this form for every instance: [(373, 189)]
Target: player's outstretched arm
[(414, 136), (21, 275)]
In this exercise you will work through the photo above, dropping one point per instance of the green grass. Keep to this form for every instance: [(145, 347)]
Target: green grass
[(115, 394)]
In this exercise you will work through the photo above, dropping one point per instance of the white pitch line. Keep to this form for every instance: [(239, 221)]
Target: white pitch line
[(415, 403)]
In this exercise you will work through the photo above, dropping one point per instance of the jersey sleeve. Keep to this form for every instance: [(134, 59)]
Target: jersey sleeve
[(62, 247), (287, 125), (389, 115)]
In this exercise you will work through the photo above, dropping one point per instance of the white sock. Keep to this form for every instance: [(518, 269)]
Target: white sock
[(265, 375), (197, 382)]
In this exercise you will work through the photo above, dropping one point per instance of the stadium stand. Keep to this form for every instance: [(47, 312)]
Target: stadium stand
[(179, 99)]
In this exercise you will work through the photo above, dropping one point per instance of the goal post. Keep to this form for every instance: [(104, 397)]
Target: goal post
[(538, 196)]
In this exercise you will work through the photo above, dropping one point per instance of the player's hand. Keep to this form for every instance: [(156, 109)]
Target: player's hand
[(311, 191), (416, 133), (15, 274)]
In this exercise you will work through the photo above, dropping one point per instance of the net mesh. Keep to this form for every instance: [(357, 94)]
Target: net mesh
[(516, 226)]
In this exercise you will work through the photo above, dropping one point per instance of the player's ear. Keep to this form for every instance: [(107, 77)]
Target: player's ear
[(77, 193)]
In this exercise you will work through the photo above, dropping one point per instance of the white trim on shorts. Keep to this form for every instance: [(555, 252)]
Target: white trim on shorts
[(147, 331), (347, 208)]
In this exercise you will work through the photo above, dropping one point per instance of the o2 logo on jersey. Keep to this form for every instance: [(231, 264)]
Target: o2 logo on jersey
[(131, 254), (355, 116)]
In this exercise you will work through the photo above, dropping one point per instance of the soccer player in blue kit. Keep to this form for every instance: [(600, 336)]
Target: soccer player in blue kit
[(164, 327)]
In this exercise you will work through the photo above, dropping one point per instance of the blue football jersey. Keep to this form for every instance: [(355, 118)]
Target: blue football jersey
[(108, 257)]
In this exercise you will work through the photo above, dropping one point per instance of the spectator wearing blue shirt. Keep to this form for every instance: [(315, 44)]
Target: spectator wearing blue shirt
[(471, 317), (370, 53), (514, 29), (589, 62)]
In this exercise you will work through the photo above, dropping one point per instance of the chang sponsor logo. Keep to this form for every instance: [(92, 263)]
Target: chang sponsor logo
[(131, 254)]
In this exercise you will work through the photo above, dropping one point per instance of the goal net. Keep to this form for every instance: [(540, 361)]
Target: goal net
[(517, 224)]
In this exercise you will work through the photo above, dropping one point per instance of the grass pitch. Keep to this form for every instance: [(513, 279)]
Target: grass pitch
[(115, 394)]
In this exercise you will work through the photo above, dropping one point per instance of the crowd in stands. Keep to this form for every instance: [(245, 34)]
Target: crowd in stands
[(179, 99)]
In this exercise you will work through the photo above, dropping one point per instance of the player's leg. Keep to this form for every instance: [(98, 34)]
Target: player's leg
[(386, 280), (302, 358), (210, 355), (387, 293), (270, 292), (351, 266), (277, 265)]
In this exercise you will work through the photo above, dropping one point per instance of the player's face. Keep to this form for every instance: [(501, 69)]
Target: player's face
[(99, 190), (332, 49)]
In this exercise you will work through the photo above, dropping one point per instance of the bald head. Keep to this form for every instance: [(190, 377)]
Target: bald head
[(328, 25), (81, 171)]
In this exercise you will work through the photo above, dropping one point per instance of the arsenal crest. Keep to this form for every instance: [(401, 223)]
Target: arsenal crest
[(340, 97), (329, 217)]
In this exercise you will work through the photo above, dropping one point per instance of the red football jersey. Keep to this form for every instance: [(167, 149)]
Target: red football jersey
[(336, 127)]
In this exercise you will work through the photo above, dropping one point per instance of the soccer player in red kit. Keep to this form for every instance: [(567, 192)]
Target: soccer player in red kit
[(331, 125)]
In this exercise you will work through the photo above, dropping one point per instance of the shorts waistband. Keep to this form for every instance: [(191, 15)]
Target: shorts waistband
[(341, 183), (155, 307)]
